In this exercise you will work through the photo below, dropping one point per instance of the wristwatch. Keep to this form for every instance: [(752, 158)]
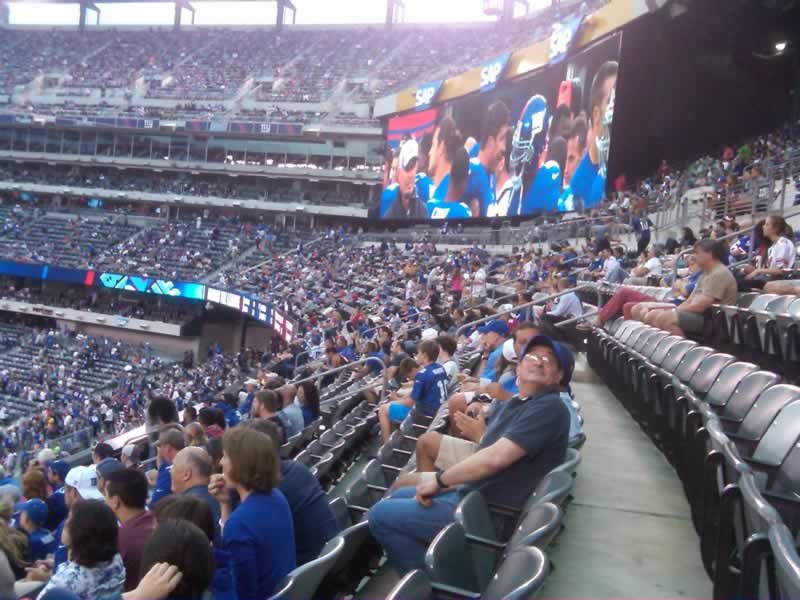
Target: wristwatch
[(439, 481)]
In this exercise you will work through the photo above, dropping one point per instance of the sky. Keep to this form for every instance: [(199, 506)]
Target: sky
[(309, 12)]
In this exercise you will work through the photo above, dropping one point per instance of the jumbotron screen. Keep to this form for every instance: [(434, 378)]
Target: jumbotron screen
[(534, 145)]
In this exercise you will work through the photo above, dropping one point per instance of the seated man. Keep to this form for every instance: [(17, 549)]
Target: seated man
[(651, 267), (715, 286), (526, 438), (428, 393)]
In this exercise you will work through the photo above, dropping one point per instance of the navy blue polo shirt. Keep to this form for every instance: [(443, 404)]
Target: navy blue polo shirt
[(538, 424)]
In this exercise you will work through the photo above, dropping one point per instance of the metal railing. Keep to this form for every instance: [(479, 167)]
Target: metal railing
[(384, 379), (492, 317)]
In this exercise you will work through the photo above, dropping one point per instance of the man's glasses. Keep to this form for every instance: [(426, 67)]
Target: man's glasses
[(539, 359)]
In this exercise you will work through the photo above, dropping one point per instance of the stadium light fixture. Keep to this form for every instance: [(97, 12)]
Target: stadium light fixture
[(780, 46)]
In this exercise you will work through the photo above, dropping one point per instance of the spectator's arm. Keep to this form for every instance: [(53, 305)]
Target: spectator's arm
[(697, 303)]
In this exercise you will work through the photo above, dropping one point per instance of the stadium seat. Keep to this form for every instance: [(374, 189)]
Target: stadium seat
[(787, 562), (302, 583), (415, 585)]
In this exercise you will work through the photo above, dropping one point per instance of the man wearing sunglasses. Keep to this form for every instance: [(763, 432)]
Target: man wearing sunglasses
[(525, 439)]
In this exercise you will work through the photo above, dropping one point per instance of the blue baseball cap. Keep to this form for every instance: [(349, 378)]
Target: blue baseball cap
[(497, 326), (564, 356), (59, 467), (36, 510), (107, 466)]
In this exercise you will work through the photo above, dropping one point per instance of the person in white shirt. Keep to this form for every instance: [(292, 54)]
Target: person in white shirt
[(447, 348), (561, 309), (781, 255), (478, 281), (652, 267)]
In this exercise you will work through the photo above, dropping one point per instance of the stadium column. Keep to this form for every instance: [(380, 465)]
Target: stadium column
[(5, 13), (85, 6)]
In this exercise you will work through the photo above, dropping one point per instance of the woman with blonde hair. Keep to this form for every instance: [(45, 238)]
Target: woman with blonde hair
[(195, 435)]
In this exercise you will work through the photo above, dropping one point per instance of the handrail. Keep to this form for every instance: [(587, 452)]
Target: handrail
[(263, 262), (304, 353), (460, 330), (362, 361)]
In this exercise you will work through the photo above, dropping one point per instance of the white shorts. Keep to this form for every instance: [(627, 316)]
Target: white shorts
[(453, 450)]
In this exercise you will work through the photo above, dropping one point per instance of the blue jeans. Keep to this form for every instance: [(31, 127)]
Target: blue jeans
[(405, 528)]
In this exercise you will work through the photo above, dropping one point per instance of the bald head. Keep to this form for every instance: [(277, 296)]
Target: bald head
[(191, 467)]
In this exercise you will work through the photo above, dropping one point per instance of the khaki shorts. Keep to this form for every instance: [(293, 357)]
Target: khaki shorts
[(453, 450), (690, 322)]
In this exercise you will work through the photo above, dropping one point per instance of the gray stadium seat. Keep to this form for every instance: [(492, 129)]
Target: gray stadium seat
[(415, 585), (302, 583)]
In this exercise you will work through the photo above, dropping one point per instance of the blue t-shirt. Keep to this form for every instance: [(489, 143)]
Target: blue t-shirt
[(314, 522), (439, 192), (588, 182), (480, 185), (260, 538), (56, 508), (308, 416), (423, 184), (292, 418), (488, 369), (163, 485), (60, 553), (388, 196), (544, 191), (374, 365), (41, 543), (539, 425), (448, 210), (430, 388)]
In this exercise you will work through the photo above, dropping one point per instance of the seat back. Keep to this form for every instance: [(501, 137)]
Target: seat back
[(676, 354), (571, 462), (787, 562), (553, 488), (472, 513), (780, 304), (691, 361), (520, 576), (415, 585), (537, 527), (338, 507), (727, 382), (761, 301), (765, 409), (644, 339), (794, 309), (664, 346), (448, 560), (746, 393), (302, 583), (745, 300), (780, 437), (652, 343), (708, 371)]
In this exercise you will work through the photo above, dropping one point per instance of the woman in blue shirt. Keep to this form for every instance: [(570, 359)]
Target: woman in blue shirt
[(259, 533)]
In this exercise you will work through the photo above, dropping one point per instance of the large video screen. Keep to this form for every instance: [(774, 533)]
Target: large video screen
[(534, 145)]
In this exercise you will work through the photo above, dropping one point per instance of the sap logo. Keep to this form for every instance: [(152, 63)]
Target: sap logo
[(425, 95), (491, 73)]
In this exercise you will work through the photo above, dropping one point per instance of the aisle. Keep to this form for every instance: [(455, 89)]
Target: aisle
[(628, 532)]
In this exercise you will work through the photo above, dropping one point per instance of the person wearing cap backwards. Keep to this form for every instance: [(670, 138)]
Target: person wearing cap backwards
[(104, 468), (526, 438), (170, 442), (399, 200), (56, 471), (33, 516)]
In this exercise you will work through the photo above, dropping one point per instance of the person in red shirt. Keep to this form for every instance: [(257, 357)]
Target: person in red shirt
[(126, 495)]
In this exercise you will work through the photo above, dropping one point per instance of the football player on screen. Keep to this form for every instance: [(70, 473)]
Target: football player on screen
[(589, 179), (479, 193), (423, 180), (537, 183), (446, 140), (401, 197), (452, 207)]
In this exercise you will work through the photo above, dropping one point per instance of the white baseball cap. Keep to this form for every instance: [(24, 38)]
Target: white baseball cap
[(408, 151), (430, 334), (84, 479), (509, 353)]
